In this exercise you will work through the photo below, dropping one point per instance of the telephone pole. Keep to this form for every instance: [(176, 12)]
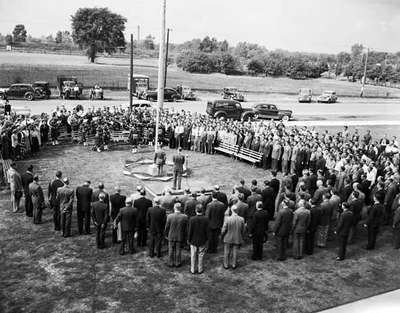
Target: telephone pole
[(365, 74), (131, 74), (138, 35), (166, 58)]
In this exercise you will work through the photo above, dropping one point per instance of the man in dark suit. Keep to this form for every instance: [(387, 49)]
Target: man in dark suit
[(190, 205), (176, 232), (252, 200), (197, 239), (244, 189), (26, 179), (96, 193), (282, 227), (391, 193), (258, 230), (215, 213), (344, 226), (373, 222), (155, 220), (100, 219), (204, 198), (65, 201), (117, 202), (37, 198), (52, 196), (347, 190), (268, 199), (275, 184), (179, 161), (355, 206), (315, 216), (83, 201), (301, 221), (242, 207), (127, 219), (221, 196), (142, 205)]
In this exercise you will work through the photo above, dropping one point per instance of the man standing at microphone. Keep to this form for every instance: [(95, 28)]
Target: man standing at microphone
[(178, 160)]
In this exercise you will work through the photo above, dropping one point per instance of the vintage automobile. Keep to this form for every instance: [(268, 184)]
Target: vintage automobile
[(68, 86), (305, 95), (96, 93), (328, 96), (231, 109), (21, 91), (232, 93), (169, 95), (138, 104), (187, 93), (45, 86)]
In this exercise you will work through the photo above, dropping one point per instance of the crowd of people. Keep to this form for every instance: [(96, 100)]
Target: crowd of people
[(330, 185)]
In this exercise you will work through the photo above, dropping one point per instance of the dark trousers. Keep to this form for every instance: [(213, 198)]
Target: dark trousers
[(342, 246), (174, 253), (372, 234), (155, 244), (56, 217), (309, 242), (37, 215), (298, 245), (177, 180), (213, 240), (396, 238), (100, 236), (257, 247), (127, 238), (66, 218), (115, 235), (142, 236), (83, 219), (282, 246), (28, 204)]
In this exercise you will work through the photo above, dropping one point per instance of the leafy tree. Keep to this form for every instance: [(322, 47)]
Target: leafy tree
[(59, 38), (9, 39), (256, 65), (98, 30), (208, 45), (149, 42), (19, 33), (50, 38)]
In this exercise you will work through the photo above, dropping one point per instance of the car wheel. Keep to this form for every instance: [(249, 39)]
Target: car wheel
[(29, 96), (1, 96), (247, 117), (285, 118)]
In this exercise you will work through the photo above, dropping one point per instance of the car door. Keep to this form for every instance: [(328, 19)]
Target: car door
[(13, 92), (230, 109), (273, 111), (261, 110), (167, 94)]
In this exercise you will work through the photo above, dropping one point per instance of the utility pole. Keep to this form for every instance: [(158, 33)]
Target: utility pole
[(365, 74), (161, 71), (138, 35), (131, 74), (166, 58)]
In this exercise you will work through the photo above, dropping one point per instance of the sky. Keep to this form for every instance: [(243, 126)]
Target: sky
[(327, 26)]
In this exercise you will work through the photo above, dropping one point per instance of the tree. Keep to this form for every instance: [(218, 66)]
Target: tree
[(98, 30), (59, 38), (149, 42), (19, 33), (9, 39), (208, 45)]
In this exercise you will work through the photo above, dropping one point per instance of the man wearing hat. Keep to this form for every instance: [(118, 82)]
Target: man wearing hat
[(65, 201), (16, 187), (197, 238), (37, 199), (127, 217), (178, 160), (142, 205), (27, 178), (83, 202), (100, 219), (96, 193), (159, 159), (117, 203), (52, 195), (155, 220)]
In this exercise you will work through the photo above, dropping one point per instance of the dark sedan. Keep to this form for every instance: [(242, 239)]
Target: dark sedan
[(169, 95)]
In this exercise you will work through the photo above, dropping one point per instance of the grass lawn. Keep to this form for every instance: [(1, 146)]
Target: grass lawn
[(113, 73), (42, 272)]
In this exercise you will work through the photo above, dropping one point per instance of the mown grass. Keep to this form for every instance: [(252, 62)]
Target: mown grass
[(42, 272), (113, 73)]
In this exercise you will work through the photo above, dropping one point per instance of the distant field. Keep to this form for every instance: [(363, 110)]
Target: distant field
[(113, 73)]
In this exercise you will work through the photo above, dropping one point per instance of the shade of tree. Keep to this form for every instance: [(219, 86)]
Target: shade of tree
[(19, 33), (148, 42)]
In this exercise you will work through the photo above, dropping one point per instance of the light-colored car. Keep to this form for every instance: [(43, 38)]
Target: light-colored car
[(328, 96), (187, 93), (305, 95)]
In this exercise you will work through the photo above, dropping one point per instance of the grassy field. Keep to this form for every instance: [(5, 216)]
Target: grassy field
[(42, 272), (113, 73)]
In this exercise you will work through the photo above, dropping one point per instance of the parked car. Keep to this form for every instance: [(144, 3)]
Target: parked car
[(232, 93), (187, 93), (96, 93), (21, 91), (68, 86), (305, 95), (138, 104), (169, 95), (328, 96), (270, 111), (45, 86)]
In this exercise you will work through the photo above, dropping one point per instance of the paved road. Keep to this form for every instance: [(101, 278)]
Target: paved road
[(348, 109)]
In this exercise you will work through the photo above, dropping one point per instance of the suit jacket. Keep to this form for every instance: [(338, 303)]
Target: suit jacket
[(176, 227), (233, 230), (252, 201), (178, 160), (375, 216), (52, 194), (215, 212), (65, 198), (15, 180), (204, 199), (99, 213), (36, 194), (95, 197), (117, 203), (258, 225), (301, 220), (274, 184), (167, 202), (198, 230), (159, 157), (346, 192), (245, 191), (356, 207), (221, 196), (268, 199), (315, 217), (142, 205), (318, 195), (345, 223), (283, 223), (326, 213), (83, 198), (155, 220), (390, 194), (242, 210), (26, 179), (190, 207), (127, 217)]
